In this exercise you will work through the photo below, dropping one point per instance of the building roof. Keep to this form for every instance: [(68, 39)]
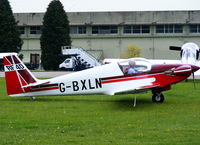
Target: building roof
[(117, 18)]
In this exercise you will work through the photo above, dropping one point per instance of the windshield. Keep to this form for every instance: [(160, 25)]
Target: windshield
[(135, 65), (67, 61)]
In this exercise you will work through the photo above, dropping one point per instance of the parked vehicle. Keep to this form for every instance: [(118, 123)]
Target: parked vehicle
[(68, 64)]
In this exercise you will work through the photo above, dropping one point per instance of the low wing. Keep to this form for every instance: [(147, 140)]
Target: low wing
[(128, 83)]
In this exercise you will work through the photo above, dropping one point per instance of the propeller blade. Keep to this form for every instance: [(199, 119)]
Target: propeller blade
[(175, 48)]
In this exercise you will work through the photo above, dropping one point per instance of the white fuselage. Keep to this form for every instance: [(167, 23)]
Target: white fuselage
[(89, 82)]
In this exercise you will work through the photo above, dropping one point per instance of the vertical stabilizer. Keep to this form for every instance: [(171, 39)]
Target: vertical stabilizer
[(17, 75)]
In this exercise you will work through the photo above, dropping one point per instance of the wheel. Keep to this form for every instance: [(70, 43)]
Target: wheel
[(33, 98), (62, 68), (158, 97)]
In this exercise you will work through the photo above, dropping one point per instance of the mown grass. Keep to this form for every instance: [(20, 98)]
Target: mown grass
[(102, 119)]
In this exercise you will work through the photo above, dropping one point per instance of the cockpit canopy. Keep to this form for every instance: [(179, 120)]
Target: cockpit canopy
[(141, 65)]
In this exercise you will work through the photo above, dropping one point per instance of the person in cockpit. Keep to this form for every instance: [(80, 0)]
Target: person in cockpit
[(131, 69)]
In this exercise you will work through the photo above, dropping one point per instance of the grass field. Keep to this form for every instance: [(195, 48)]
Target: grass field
[(102, 119)]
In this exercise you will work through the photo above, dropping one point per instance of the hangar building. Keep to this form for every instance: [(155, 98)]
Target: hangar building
[(113, 32)]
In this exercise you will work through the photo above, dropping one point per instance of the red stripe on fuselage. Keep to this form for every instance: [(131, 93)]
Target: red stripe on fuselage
[(161, 79), (157, 72), (29, 90), (42, 88), (123, 78)]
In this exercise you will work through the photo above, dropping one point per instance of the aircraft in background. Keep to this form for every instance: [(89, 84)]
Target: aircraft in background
[(106, 79), (189, 53)]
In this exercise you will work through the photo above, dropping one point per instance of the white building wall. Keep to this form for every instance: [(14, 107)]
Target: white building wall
[(153, 45)]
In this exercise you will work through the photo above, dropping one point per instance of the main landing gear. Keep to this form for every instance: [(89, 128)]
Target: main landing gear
[(158, 97), (33, 98)]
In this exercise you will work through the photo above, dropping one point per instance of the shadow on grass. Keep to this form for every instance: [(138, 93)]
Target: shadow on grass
[(126, 103)]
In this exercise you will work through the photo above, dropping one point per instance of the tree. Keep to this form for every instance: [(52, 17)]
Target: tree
[(131, 51), (55, 33), (10, 40)]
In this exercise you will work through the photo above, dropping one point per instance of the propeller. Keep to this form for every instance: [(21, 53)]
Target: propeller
[(175, 48)]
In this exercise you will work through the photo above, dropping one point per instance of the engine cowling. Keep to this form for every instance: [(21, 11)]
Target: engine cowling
[(182, 70)]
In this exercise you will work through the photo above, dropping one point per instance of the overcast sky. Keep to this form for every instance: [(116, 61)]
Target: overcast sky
[(106, 5)]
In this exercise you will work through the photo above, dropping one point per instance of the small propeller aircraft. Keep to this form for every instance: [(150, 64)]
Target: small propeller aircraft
[(189, 53), (106, 79)]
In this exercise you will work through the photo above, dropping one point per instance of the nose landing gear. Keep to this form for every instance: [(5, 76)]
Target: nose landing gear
[(158, 97)]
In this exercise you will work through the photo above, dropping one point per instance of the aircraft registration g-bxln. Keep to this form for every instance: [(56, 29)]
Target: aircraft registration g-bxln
[(106, 79)]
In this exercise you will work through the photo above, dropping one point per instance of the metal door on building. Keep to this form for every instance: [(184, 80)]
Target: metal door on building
[(34, 61)]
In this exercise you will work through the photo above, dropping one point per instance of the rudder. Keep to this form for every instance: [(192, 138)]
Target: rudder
[(17, 75)]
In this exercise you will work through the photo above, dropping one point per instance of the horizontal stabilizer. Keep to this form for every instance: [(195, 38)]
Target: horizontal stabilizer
[(36, 84), (175, 48)]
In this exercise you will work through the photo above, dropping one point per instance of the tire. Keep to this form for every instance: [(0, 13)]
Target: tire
[(158, 98), (62, 68)]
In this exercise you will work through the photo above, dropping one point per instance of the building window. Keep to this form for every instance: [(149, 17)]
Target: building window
[(137, 29), (127, 29), (169, 29), (104, 30), (160, 29), (77, 30), (178, 28), (145, 29), (21, 29), (194, 28), (35, 30)]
